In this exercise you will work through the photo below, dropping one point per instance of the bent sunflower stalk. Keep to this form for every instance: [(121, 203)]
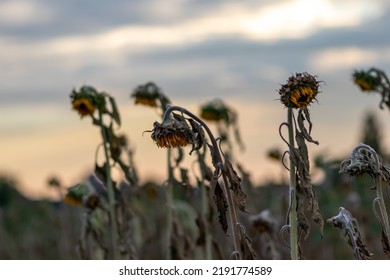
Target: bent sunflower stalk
[(225, 119), (365, 160), (179, 131)]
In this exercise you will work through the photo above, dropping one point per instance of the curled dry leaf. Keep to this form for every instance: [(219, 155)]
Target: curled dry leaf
[(220, 202), (305, 190), (235, 184), (344, 221), (246, 245)]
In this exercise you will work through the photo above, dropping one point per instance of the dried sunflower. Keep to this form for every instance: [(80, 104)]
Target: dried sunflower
[(365, 159), (299, 91), (171, 134), (149, 95), (145, 99), (86, 100), (83, 106), (366, 80), (215, 110)]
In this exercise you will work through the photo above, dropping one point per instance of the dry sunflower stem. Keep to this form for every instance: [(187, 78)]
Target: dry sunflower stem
[(298, 93), (176, 130), (350, 228), (365, 160)]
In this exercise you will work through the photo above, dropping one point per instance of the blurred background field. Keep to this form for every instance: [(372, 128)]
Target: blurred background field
[(46, 229)]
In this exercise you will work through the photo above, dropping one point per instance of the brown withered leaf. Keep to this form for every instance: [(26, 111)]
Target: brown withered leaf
[(246, 245), (235, 184), (303, 114), (114, 113), (205, 170), (220, 202), (303, 222), (198, 135), (304, 186), (129, 172)]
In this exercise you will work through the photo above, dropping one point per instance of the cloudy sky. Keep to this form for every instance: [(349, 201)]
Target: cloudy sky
[(240, 51)]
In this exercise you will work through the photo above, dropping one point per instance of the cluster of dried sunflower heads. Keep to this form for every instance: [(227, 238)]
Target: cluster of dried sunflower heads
[(150, 95), (299, 91), (365, 159), (366, 80)]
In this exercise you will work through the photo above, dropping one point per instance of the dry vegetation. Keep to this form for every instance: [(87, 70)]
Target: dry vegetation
[(213, 210)]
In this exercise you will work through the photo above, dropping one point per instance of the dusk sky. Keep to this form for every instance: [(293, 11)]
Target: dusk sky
[(195, 51)]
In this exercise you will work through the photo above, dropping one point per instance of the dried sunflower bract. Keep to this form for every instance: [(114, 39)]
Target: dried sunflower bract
[(299, 91)]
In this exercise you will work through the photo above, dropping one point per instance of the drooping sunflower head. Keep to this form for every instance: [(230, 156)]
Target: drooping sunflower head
[(172, 134), (86, 101), (146, 99), (366, 80), (216, 111), (364, 160), (80, 195), (150, 95), (299, 91), (83, 106)]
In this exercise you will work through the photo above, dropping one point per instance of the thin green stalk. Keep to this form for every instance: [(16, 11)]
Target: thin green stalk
[(111, 196), (382, 206), (168, 253), (293, 200)]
